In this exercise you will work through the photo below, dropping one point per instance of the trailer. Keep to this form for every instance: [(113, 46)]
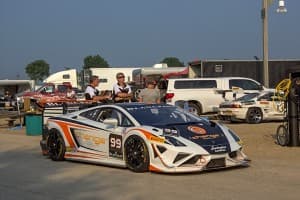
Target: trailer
[(278, 69)]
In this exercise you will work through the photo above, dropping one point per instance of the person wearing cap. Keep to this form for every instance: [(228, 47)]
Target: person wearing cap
[(150, 94), (91, 92), (121, 91)]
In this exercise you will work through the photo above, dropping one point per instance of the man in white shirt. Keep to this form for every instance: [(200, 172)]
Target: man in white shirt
[(122, 91), (91, 92)]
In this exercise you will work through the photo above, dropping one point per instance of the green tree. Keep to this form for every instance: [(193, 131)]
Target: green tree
[(172, 62), (37, 70), (95, 61)]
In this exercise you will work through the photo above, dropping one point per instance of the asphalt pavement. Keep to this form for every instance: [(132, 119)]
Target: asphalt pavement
[(28, 175)]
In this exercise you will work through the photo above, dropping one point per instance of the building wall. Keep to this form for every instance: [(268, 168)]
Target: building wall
[(278, 69)]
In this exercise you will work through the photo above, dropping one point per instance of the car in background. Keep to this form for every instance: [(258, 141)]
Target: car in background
[(142, 137), (253, 108), (204, 95)]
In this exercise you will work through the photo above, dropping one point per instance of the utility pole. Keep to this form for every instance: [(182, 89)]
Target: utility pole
[(264, 16)]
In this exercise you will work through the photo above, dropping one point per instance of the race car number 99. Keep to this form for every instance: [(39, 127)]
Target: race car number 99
[(115, 142), (115, 146)]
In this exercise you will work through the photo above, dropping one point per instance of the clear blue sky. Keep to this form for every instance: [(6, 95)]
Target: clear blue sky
[(140, 32)]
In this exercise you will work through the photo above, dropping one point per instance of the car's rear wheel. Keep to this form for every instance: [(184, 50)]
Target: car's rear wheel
[(254, 116), (194, 108), (56, 145), (136, 154)]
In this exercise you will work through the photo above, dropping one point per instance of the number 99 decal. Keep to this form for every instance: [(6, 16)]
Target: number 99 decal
[(115, 146)]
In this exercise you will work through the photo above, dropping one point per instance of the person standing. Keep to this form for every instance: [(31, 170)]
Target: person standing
[(91, 92), (121, 91), (150, 94)]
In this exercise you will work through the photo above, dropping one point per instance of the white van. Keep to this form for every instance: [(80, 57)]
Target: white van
[(204, 95)]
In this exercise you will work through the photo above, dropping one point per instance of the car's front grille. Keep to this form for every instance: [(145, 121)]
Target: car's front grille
[(216, 163)]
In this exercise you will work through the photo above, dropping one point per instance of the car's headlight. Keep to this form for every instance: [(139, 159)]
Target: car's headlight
[(169, 131)]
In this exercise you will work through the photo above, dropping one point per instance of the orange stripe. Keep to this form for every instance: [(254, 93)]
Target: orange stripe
[(73, 124), (154, 169), (150, 136), (91, 153), (77, 156), (67, 133), (146, 133), (65, 127), (81, 156)]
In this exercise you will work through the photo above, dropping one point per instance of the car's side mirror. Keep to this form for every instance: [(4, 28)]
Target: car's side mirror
[(111, 121)]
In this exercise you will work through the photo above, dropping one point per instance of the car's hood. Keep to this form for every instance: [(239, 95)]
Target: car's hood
[(206, 134)]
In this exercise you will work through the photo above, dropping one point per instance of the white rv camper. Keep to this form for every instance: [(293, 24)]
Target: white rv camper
[(66, 76), (16, 86), (107, 76)]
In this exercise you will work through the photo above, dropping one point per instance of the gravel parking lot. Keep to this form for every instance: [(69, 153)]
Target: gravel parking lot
[(26, 174)]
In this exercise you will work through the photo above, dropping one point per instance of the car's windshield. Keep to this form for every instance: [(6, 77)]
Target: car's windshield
[(248, 97), (161, 115)]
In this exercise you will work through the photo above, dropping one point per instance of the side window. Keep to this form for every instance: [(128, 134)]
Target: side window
[(62, 88), (195, 84), (49, 89), (91, 114), (113, 113), (66, 76), (244, 84)]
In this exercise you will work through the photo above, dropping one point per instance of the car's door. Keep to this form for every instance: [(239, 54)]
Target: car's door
[(94, 135), (106, 138), (248, 86), (114, 138), (271, 106)]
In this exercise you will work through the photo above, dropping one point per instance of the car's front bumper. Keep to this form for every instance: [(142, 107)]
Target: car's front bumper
[(234, 113)]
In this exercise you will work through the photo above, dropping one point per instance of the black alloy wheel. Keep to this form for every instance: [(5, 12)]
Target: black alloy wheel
[(136, 154), (254, 116), (56, 145)]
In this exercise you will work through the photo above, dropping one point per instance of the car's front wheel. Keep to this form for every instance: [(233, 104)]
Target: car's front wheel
[(56, 145), (254, 116), (136, 154)]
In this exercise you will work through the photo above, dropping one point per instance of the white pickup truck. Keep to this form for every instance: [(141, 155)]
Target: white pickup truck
[(204, 95)]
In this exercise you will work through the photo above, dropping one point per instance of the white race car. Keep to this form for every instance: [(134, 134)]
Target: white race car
[(143, 137), (253, 108)]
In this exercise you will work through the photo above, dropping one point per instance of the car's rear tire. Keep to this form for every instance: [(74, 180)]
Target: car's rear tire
[(136, 154), (56, 145), (195, 109), (254, 116)]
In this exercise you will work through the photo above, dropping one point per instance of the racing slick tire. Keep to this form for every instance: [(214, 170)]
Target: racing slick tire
[(56, 145), (136, 154), (282, 135), (254, 116)]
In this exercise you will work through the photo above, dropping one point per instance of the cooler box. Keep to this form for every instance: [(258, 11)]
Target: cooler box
[(34, 124)]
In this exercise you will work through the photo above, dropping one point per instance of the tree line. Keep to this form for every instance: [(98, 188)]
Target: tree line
[(38, 70)]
